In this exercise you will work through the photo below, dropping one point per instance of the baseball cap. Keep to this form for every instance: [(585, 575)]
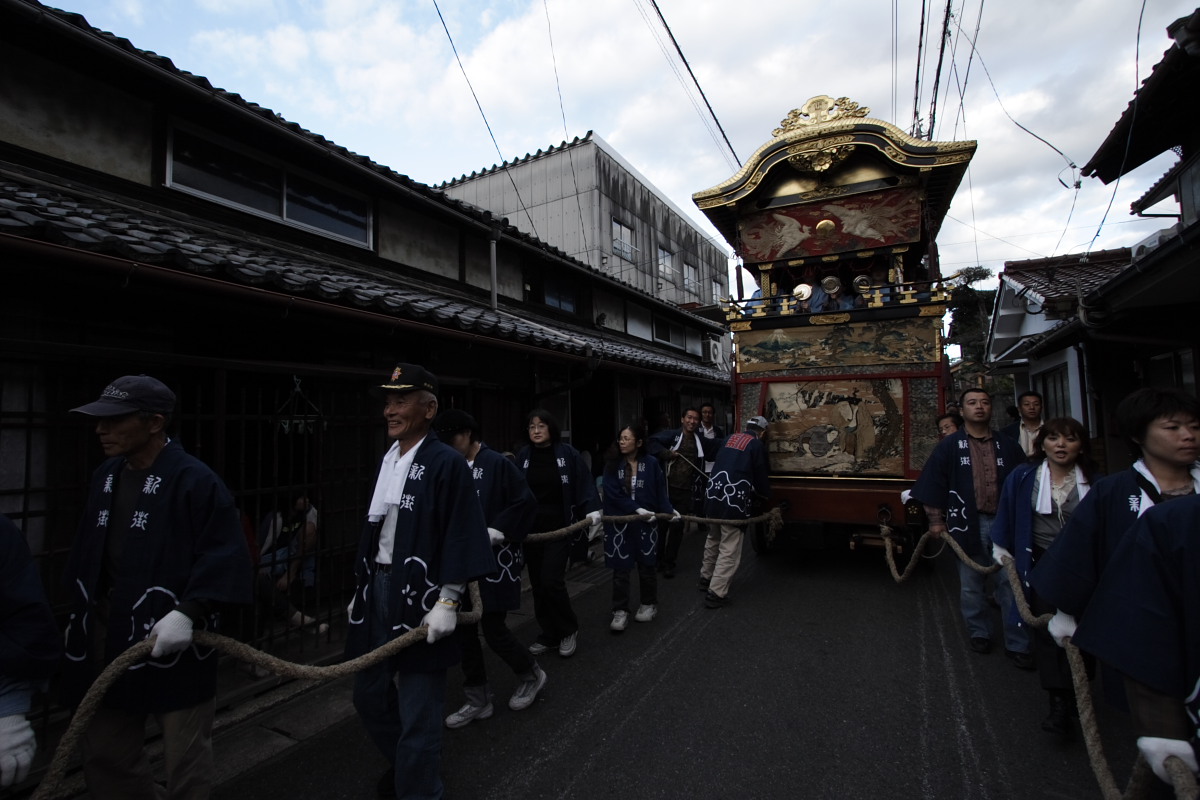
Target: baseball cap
[(757, 422), (410, 378), (128, 394)]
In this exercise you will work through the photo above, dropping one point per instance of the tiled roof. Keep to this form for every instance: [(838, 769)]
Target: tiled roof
[(1064, 277), (165, 68), (106, 226)]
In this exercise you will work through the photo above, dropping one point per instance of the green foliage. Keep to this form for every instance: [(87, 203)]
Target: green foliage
[(970, 315)]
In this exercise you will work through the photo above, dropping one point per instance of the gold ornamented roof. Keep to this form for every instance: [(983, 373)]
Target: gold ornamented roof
[(824, 135)]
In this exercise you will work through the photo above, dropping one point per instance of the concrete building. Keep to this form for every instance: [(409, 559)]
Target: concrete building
[(585, 199)]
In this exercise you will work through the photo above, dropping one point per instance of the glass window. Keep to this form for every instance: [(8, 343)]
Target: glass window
[(717, 290), (622, 241), (691, 278), (239, 179), (225, 174), (669, 332), (321, 207), (666, 265), (560, 294), (1056, 393)]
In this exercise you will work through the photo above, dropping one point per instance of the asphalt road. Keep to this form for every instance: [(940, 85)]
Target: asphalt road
[(823, 679)]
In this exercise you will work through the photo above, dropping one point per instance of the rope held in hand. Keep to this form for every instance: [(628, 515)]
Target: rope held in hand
[(50, 785), (1182, 778)]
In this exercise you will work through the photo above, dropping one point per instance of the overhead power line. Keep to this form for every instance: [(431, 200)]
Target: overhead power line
[(679, 51), (503, 162)]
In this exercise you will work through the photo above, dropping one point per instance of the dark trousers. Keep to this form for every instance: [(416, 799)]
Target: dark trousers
[(647, 587), (501, 641), (402, 711), (546, 563), (668, 551), (1054, 670)]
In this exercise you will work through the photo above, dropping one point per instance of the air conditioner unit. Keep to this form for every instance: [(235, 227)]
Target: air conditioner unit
[(712, 351), (1152, 242)]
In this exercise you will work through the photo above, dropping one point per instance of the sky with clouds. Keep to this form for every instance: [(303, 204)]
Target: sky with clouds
[(380, 78)]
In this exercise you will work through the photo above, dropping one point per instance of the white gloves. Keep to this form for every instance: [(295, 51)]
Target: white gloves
[(441, 621), (597, 529), (171, 634), (675, 516), (646, 513), (496, 536), (17, 746), (1000, 553), (1061, 625), (1156, 750)]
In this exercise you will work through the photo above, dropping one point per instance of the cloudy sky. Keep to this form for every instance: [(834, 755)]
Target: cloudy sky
[(380, 78)]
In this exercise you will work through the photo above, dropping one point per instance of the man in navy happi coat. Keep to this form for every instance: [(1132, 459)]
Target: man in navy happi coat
[(739, 477), (424, 539), (159, 550), (960, 489)]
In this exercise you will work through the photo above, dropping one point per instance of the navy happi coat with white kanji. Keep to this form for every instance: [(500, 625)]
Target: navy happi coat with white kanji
[(578, 489), (441, 538), (947, 483), (185, 543), (629, 543), (508, 506), (1067, 573)]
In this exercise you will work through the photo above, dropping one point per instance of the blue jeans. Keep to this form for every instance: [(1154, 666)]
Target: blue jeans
[(402, 711), (973, 597)]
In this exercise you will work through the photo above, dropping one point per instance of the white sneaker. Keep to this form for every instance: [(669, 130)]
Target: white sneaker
[(619, 621), (646, 613), (566, 648), (537, 648), (528, 690), (468, 713)]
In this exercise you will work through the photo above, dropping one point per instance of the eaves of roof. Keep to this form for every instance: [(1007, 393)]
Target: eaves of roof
[(76, 28), (94, 226), (1064, 277), (1163, 110)]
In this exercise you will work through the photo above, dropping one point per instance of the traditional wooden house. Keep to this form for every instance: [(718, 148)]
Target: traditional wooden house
[(152, 222), (1087, 330)]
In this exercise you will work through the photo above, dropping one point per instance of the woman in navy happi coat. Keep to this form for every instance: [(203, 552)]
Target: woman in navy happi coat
[(565, 492), (633, 483)]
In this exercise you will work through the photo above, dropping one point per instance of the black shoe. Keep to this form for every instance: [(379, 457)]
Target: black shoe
[(387, 783), (1058, 721), (981, 645), (1021, 660), (714, 600)]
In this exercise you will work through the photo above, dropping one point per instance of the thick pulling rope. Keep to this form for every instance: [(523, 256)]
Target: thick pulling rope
[(49, 787), (1182, 778)]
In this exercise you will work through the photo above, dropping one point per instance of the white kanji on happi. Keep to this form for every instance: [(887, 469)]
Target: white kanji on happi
[(1135, 503), (416, 471), (108, 484), (152, 484), (102, 519), (140, 518), (407, 501)]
